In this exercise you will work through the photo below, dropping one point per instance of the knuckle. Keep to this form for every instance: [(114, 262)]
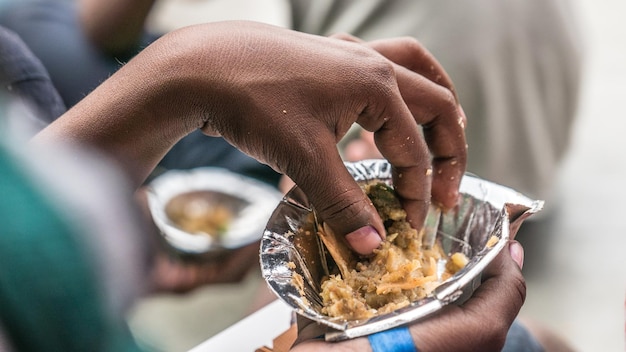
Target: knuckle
[(412, 44), (443, 108), (447, 99), (345, 36), (520, 286), (385, 70)]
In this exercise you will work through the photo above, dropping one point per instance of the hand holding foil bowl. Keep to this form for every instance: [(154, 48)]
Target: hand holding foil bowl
[(294, 261)]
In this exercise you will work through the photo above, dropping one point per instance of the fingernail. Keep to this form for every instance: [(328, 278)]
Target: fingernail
[(517, 253), (364, 240)]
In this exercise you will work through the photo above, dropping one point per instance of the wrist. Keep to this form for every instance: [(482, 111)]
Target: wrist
[(393, 340)]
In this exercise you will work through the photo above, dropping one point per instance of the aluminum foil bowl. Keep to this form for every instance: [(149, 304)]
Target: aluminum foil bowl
[(485, 209), (250, 201)]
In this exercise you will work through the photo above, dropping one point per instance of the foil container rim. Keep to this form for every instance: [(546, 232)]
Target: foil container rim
[(260, 199), (277, 248)]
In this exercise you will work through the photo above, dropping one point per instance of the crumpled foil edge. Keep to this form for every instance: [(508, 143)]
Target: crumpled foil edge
[(485, 209)]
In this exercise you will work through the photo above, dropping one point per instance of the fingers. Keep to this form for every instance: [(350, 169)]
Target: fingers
[(483, 321), (443, 126), (429, 93), (409, 53), (399, 140), (499, 298), (503, 288)]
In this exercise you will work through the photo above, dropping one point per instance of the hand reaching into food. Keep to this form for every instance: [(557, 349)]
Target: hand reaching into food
[(286, 98)]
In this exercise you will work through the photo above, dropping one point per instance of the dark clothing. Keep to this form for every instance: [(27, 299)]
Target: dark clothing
[(52, 31), (24, 79)]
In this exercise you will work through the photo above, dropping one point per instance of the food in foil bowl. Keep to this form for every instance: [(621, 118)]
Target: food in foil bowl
[(210, 209), (412, 275)]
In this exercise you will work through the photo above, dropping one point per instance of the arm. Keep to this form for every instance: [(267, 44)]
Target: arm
[(285, 98), (114, 26)]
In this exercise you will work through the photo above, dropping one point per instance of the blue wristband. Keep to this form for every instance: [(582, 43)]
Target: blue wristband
[(394, 340)]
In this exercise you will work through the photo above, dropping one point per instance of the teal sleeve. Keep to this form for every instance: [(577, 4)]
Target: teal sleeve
[(49, 294)]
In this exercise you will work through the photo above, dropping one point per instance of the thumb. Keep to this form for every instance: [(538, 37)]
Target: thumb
[(339, 201)]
